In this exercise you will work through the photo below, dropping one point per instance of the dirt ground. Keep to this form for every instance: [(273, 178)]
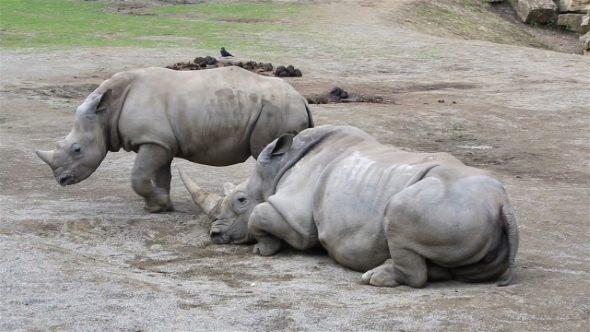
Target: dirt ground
[(89, 258)]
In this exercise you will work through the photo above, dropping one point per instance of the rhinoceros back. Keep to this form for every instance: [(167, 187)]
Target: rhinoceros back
[(209, 117)]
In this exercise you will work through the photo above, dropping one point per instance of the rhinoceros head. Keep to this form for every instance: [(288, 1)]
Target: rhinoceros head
[(80, 153), (231, 213)]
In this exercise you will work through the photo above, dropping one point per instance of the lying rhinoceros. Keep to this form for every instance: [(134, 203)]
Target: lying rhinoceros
[(214, 117), (403, 217)]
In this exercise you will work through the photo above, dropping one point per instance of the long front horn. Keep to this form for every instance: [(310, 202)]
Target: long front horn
[(204, 199), (46, 156)]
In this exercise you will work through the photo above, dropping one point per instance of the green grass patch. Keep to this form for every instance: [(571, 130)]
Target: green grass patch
[(78, 23), (233, 11)]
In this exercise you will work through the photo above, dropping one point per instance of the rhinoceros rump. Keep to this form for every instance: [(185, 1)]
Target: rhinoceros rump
[(214, 117), (403, 218)]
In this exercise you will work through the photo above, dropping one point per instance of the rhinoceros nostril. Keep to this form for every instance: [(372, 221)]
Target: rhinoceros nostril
[(219, 238), (63, 179)]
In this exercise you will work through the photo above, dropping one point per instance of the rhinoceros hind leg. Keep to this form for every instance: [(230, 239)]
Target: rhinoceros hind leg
[(148, 179), (381, 276), (438, 273), (409, 267), (385, 275)]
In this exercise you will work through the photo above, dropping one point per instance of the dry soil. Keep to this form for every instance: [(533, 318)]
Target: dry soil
[(89, 258)]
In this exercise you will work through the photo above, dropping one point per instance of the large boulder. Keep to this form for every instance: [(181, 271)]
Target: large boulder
[(586, 42), (585, 25), (538, 11), (573, 22), (574, 5)]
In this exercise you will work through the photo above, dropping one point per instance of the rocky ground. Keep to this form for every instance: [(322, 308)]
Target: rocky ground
[(89, 258)]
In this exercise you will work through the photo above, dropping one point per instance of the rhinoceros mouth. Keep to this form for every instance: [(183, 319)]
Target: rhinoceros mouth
[(217, 235), (65, 179), (219, 238)]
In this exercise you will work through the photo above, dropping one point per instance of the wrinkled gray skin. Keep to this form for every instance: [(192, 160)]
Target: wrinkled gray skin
[(214, 117), (403, 218)]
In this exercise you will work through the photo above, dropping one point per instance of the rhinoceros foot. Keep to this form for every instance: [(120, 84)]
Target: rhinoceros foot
[(267, 246), (381, 276), (154, 208)]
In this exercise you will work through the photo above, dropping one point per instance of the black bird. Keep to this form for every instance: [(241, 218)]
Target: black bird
[(225, 53)]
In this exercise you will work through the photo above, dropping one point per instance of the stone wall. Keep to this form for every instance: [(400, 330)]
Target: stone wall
[(571, 14), (568, 13)]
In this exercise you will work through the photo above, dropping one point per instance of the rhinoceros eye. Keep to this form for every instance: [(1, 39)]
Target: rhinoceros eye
[(240, 204), (76, 149)]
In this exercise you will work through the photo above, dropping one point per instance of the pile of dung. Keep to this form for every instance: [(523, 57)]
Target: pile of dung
[(337, 95), (261, 68), (288, 71)]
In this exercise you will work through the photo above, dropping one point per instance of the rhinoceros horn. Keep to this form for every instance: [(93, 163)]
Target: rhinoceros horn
[(46, 156), (207, 201)]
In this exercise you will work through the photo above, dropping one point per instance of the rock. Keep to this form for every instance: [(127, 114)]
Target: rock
[(573, 22), (538, 11), (249, 65), (291, 70), (574, 5), (586, 42), (279, 70), (585, 25), (317, 99), (266, 66), (336, 91), (200, 62)]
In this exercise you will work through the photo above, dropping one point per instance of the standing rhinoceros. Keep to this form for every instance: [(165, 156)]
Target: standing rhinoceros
[(214, 117), (403, 217)]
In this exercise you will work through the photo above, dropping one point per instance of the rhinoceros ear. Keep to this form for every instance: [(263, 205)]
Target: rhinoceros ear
[(283, 144), (104, 101), (276, 148)]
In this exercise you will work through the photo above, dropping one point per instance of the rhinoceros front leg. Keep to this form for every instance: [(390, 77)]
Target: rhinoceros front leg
[(150, 177), (262, 221), (162, 180), (268, 227)]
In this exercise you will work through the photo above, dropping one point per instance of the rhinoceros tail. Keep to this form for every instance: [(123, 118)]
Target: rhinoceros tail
[(512, 229)]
